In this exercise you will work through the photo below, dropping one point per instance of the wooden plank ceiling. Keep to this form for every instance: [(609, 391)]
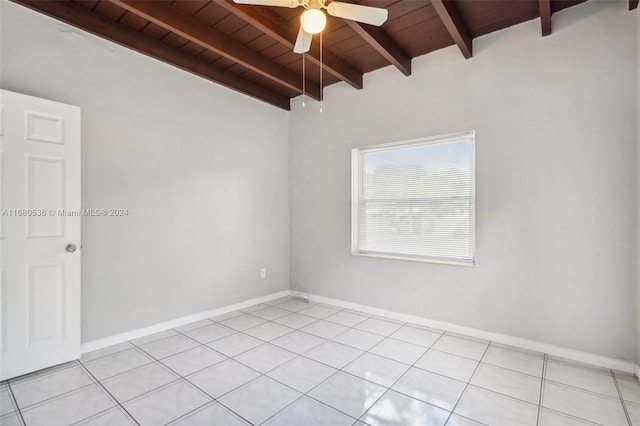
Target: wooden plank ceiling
[(249, 48)]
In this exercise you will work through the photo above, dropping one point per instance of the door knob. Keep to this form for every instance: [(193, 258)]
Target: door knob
[(71, 248)]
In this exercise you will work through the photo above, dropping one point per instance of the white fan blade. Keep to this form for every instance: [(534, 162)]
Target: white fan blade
[(303, 42), (279, 3), (357, 12)]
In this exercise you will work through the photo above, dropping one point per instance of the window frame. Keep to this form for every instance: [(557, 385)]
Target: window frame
[(356, 165)]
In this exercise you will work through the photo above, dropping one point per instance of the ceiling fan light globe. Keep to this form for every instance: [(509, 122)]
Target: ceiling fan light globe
[(313, 21)]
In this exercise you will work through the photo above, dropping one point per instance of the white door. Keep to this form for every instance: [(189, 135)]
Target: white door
[(39, 233)]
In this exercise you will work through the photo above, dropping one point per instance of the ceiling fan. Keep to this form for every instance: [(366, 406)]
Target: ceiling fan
[(313, 19)]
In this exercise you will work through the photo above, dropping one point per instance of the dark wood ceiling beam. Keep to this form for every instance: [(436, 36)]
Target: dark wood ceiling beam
[(545, 16), (198, 32), (279, 29), (633, 4), (383, 44), (452, 21), (83, 18)]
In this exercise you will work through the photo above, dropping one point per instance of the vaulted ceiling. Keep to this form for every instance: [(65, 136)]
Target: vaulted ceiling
[(249, 48)]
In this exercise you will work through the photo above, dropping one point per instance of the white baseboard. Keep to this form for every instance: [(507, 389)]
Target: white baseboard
[(532, 345), (177, 322)]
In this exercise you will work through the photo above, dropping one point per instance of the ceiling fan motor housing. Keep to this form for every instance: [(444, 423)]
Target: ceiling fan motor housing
[(313, 4)]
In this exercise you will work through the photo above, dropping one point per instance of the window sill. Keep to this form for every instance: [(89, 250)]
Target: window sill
[(415, 259)]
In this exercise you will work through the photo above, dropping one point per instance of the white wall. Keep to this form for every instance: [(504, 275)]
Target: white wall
[(203, 171), (555, 129)]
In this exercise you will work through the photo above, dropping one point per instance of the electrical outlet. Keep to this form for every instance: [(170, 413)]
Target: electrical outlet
[(263, 273)]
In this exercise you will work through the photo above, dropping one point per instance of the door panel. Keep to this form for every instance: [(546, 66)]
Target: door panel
[(45, 303), (40, 280), (45, 191), (44, 128)]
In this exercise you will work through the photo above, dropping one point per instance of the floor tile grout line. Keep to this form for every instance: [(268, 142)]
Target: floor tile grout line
[(213, 321), (468, 383), (368, 351), (409, 366), (134, 345), (625, 376), (329, 377), (58, 396), (472, 384), (201, 343), (276, 367), (353, 327), (259, 377), (117, 406), (583, 390), (540, 399), (302, 355), (257, 325), (178, 333), (389, 388), (319, 402), (39, 374), (190, 412), (465, 417), (622, 401), (18, 410), (364, 352), (151, 361), (498, 345), (260, 374), (513, 398), (307, 394), (172, 329), (282, 409), (99, 383), (76, 363), (159, 359), (506, 368), (589, 392), (476, 360), (349, 327), (154, 360), (226, 357), (266, 342), (579, 364), (384, 337), (107, 355), (179, 378), (574, 417), (26, 378), (196, 371), (265, 375), (218, 399), (403, 324), (147, 392)]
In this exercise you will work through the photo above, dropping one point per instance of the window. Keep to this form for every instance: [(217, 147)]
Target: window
[(414, 200)]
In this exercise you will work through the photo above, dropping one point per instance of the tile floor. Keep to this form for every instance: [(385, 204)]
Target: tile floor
[(287, 363)]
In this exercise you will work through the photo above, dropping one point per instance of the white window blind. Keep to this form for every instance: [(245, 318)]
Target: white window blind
[(415, 200)]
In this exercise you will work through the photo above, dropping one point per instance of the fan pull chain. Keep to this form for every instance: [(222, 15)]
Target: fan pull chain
[(321, 91), (304, 81)]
